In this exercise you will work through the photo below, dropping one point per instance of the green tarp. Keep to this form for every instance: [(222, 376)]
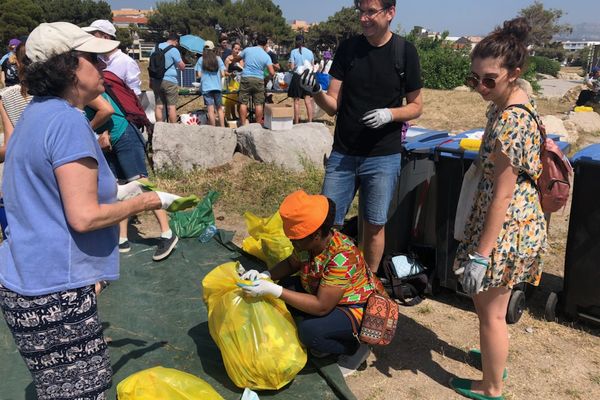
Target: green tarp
[(155, 316)]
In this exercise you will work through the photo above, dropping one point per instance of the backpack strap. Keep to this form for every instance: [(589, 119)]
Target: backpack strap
[(399, 57), (165, 50)]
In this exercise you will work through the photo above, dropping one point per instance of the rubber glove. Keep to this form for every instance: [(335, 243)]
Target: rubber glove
[(308, 82), (129, 190), (166, 199), (253, 275), (377, 118), (473, 272), (261, 288)]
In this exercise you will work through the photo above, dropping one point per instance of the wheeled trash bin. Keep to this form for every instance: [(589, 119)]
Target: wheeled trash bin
[(580, 297), (451, 164)]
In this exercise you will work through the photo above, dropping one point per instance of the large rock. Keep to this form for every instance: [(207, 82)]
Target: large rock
[(555, 125), (189, 146), (585, 121), (289, 149), (526, 86)]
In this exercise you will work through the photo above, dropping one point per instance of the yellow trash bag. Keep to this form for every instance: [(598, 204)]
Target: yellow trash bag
[(257, 337), (267, 241), (165, 384)]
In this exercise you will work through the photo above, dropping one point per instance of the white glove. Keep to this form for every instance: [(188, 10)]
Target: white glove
[(473, 272), (261, 288), (253, 275), (166, 199), (308, 82), (377, 118), (129, 190)]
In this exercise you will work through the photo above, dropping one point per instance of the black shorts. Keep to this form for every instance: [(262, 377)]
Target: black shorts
[(295, 91)]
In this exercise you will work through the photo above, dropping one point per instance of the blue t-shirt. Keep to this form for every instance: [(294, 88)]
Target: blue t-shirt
[(210, 80), (255, 61), (116, 125), (172, 58), (43, 254), (4, 57), (298, 59)]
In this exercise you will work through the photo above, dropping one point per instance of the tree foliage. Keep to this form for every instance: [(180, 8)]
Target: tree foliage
[(19, 17), (544, 23), (329, 34), (206, 18)]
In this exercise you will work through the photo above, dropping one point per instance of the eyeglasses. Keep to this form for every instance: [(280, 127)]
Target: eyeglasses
[(473, 81), (369, 13)]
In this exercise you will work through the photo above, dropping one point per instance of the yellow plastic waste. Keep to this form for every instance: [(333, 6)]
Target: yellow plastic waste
[(267, 240), (165, 384), (583, 109), (470, 144), (257, 337)]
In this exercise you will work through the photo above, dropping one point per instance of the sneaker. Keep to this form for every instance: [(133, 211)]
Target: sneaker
[(165, 248), (348, 364), (124, 247)]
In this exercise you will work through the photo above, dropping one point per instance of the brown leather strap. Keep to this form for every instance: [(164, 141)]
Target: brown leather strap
[(353, 321)]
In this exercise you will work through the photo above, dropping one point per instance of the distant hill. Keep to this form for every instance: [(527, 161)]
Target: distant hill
[(583, 31)]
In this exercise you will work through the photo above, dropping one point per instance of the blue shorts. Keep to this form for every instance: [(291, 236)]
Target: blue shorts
[(213, 98), (127, 157), (376, 178)]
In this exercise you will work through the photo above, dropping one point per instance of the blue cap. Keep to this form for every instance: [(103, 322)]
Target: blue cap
[(595, 69)]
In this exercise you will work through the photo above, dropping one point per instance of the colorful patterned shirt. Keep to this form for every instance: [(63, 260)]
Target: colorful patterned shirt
[(342, 265)]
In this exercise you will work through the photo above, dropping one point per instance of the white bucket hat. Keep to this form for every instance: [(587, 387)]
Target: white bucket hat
[(102, 25), (50, 39)]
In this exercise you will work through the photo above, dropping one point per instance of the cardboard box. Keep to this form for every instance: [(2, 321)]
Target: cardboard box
[(279, 117)]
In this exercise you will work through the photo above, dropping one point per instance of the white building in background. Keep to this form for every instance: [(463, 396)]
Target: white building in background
[(578, 45)]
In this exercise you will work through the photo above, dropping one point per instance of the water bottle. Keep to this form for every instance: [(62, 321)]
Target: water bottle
[(208, 233)]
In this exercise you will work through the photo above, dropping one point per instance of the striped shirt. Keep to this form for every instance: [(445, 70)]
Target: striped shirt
[(14, 103)]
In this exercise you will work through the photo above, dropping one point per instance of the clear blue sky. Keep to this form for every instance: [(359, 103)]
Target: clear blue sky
[(460, 17)]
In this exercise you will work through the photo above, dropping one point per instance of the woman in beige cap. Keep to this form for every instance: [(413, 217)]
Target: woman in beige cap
[(60, 201)]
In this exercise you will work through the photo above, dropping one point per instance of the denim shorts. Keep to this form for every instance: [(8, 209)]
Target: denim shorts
[(127, 157), (376, 178), (213, 98)]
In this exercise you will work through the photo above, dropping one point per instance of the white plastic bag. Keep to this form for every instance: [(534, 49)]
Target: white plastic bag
[(468, 190)]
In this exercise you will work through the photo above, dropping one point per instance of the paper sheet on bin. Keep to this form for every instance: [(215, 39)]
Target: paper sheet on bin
[(474, 134)]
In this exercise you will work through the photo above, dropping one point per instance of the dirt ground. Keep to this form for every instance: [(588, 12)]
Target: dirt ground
[(547, 360)]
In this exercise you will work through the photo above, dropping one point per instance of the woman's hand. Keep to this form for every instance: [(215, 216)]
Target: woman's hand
[(261, 288)]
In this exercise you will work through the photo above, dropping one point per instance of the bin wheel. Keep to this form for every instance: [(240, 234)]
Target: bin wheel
[(550, 310), (516, 305)]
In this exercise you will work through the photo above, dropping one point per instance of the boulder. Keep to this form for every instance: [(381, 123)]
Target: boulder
[(189, 146), (569, 76), (462, 88), (555, 125), (289, 149), (585, 121), (526, 86)]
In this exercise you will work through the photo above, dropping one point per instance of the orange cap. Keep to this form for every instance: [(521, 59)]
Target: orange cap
[(303, 214)]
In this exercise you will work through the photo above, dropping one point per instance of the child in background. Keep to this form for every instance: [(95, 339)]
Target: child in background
[(210, 69)]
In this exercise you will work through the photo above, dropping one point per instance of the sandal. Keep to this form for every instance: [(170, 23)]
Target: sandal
[(463, 387), (475, 360)]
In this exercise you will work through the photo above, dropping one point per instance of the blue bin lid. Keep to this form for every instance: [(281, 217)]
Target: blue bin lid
[(590, 154), (421, 140)]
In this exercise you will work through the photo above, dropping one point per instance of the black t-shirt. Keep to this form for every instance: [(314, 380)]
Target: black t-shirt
[(11, 74), (370, 81), (226, 53)]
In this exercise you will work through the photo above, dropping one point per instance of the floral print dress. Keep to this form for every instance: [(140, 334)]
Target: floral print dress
[(517, 255)]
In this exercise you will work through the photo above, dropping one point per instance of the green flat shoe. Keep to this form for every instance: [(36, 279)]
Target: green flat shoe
[(475, 360), (184, 203), (463, 387)]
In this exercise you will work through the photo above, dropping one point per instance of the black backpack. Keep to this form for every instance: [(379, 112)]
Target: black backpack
[(156, 66), (410, 290)]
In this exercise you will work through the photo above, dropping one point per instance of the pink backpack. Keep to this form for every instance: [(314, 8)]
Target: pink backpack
[(554, 185)]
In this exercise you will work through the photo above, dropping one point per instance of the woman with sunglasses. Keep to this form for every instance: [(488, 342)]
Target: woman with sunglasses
[(60, 200), (505, 235)]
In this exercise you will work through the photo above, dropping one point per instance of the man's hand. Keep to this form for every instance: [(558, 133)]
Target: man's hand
[(254, 275), (473, 272), (104, 141), (261, 288), (308, 82), (377, 118), (129, 190)]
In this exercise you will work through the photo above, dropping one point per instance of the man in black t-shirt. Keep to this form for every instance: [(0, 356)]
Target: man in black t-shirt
[(366, 92)]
